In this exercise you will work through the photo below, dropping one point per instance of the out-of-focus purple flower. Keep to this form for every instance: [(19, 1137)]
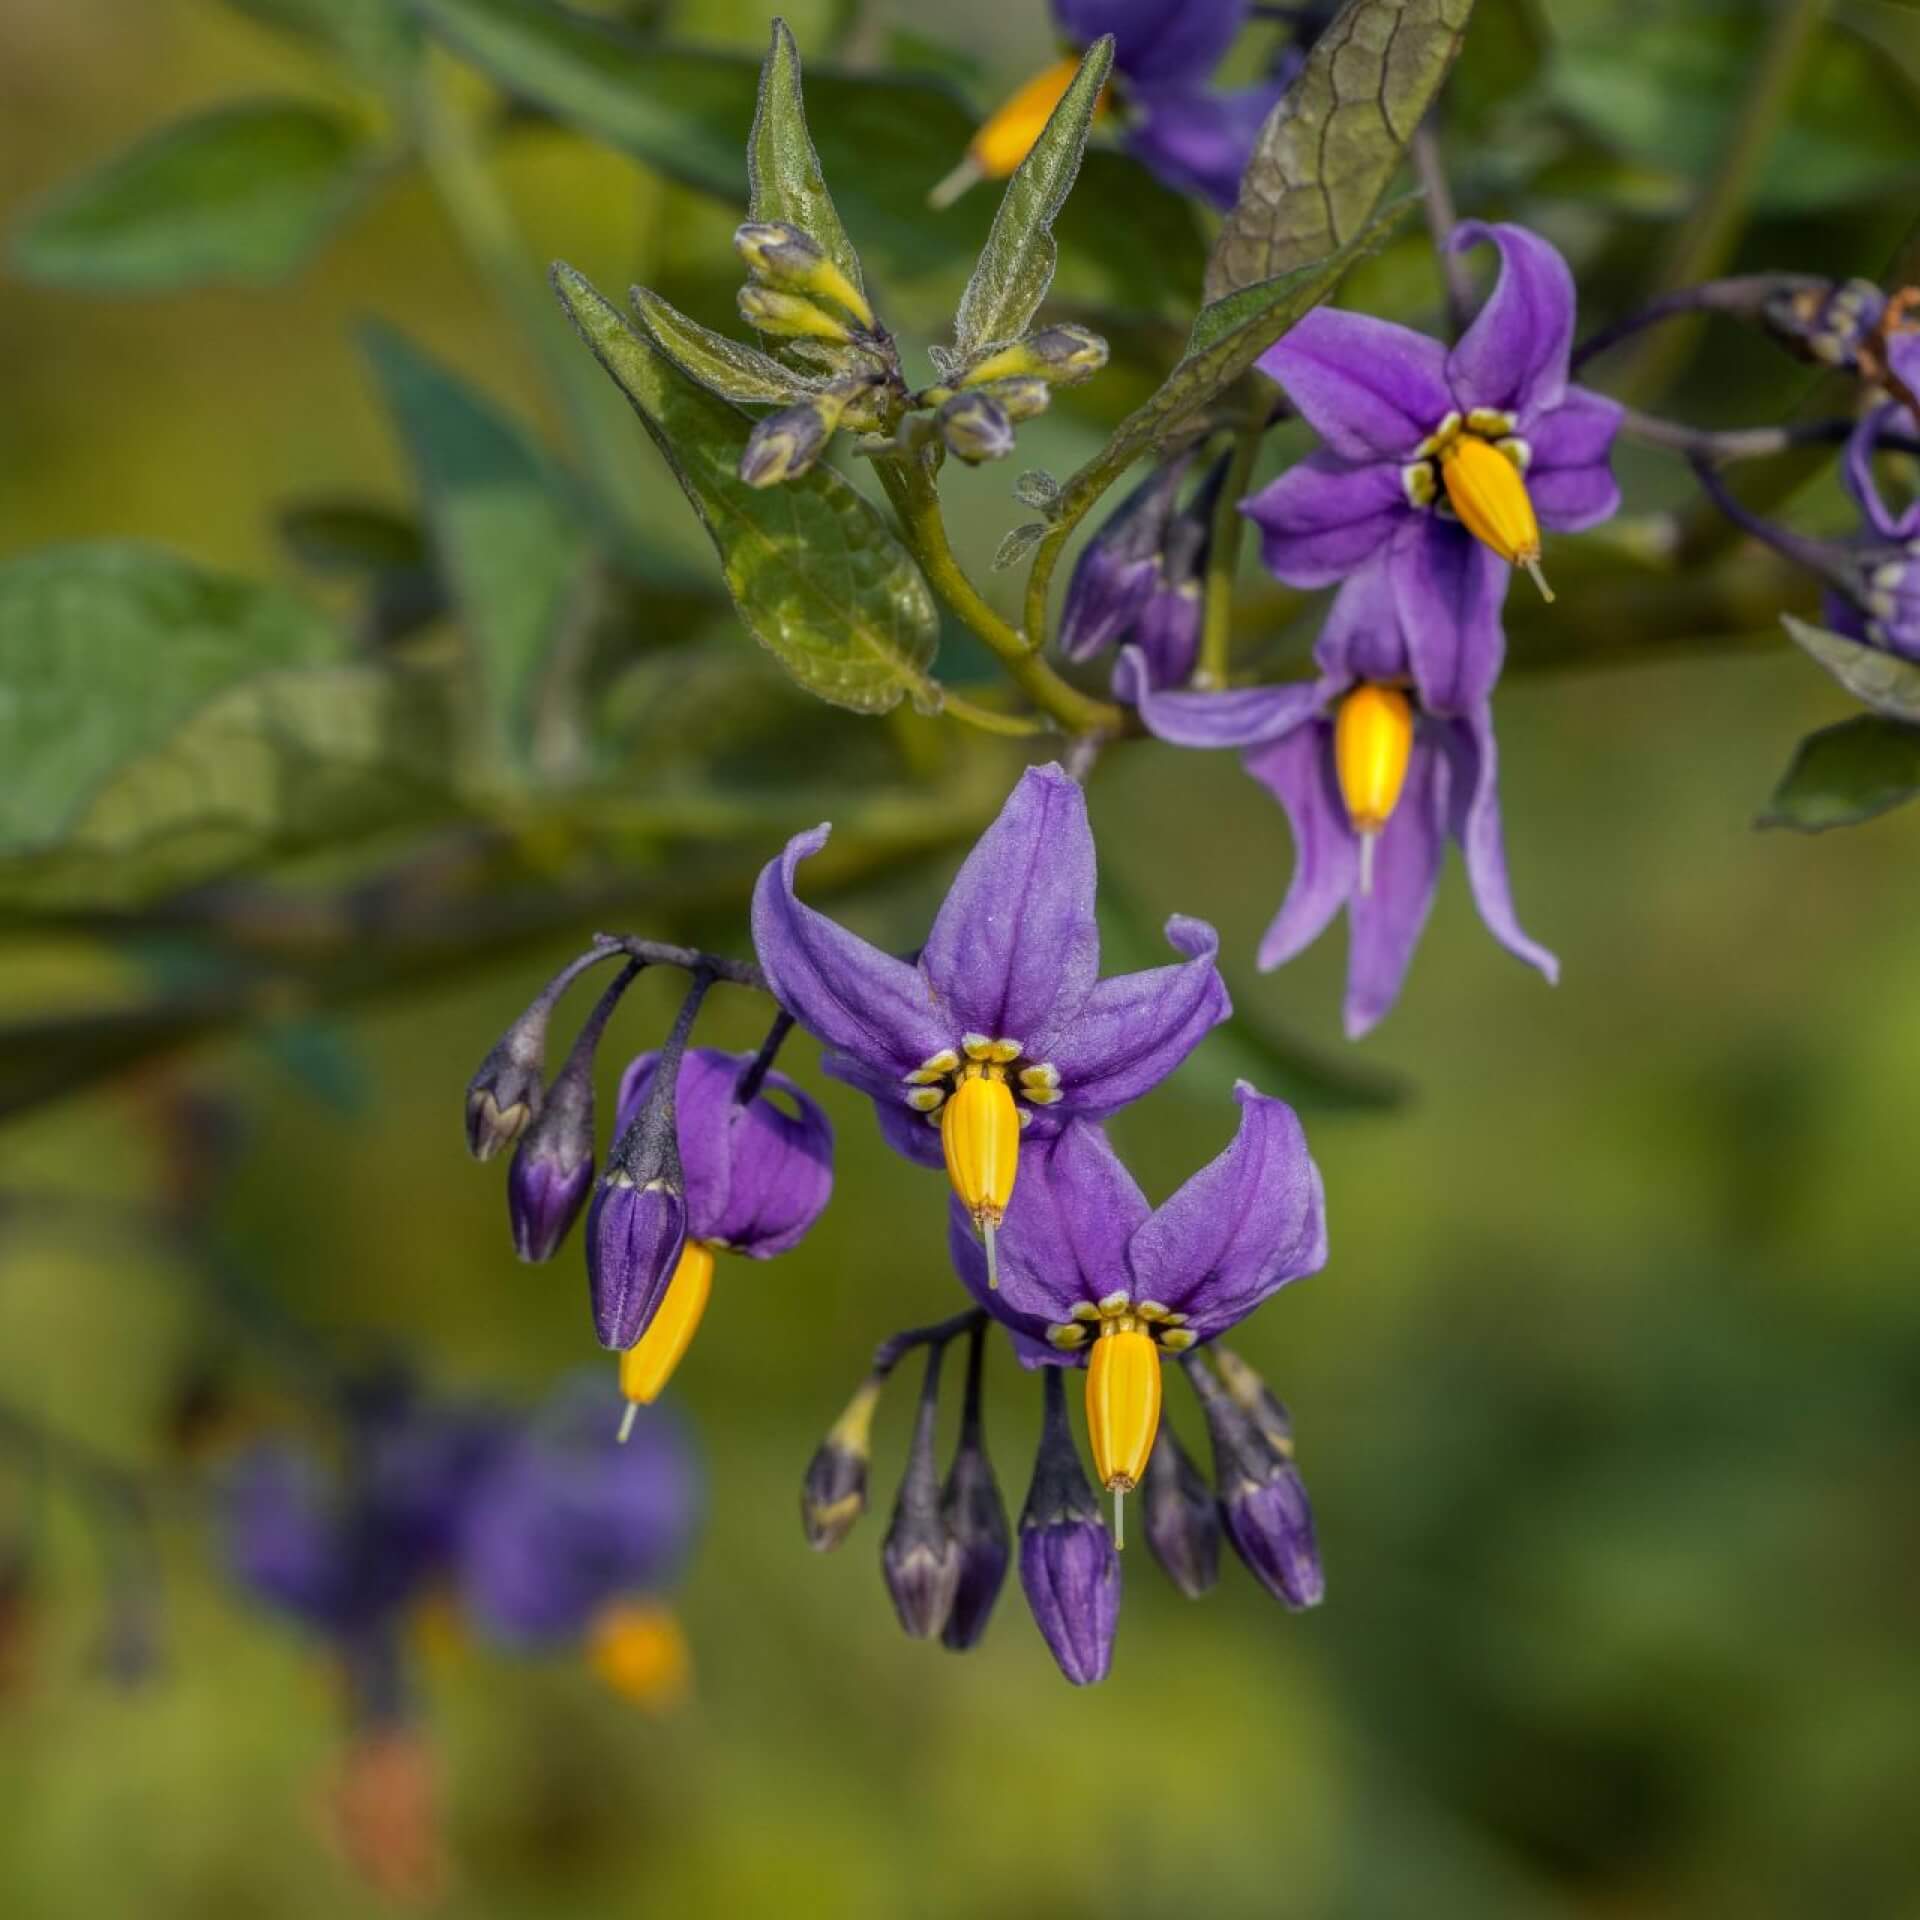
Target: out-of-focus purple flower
[(1882, 606), (1068, 1567), (1115, 576)]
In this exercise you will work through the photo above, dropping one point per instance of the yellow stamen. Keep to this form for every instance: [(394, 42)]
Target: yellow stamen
[(1008, 134), (1123, 1405), (647, 1365), (1485, 488), (1372, 739), (639, 1652), (980, 1130)]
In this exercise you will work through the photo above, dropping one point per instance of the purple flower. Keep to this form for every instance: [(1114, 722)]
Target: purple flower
[(1068, 1567), (1490, 427), (1003, 1022), (1118, 569), (571, 1519), (1883, 610)]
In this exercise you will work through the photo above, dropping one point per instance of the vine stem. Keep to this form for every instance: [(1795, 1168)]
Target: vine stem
[(1223, 561), (1437, 199)]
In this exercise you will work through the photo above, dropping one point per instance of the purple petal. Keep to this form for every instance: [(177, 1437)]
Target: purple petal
[(1248, 1222), (1865, 489), (1362, 638), (1514, 355), (1474, 810), (1198, 141), (1074, 1208), (1167, 635), (1026, 1332), (1238, 719), (1014, 947), (1383, 925), (1370, 389), (845, 992), (1133, 1030), (1447, 593), (1569, 481), (903, 1129), (1117, 568), (1156, 40), (1298, 772), (1324, 516)]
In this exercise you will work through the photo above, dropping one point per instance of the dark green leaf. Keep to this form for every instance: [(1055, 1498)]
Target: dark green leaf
[(1015, 268), (242, 193), (511, 545), (1883, 680), (1845, 774), (1332, 145), (105, 651), (349, 537), (783, 170), (817, 575), (727, 367)]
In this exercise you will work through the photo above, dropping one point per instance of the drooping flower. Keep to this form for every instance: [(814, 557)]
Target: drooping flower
[(1091, 1275), (1002, 1025), (755, 1177), (1882, 605), (1192, 136)]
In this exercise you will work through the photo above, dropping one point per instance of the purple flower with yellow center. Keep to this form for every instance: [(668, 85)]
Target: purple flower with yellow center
[(1091, 1275), (756, 1175), (1002, 1025), (1192, 136)]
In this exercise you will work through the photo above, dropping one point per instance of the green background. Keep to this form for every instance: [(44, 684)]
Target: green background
[(1609, 1397)]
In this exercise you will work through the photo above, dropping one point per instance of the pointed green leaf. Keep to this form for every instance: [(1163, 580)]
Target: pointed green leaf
[(1883, 680), (1015, 268), (242, 193), (783, 170), (1330, 148), (510, 544), (1843, 775), (817, 574), (727, 367)]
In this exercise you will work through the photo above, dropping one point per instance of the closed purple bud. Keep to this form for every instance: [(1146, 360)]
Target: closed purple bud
[(1824, 321), (1182, 1521), (1119, 567), (505, 1094), (787, 444), (920, 1558), (976, 1516), (976, 428), (552, 1169), (1068, 1566), (1253, 1396), (833, 1495), (635, 1234)]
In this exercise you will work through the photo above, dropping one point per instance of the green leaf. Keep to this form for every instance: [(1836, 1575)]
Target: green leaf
[(350, 538), (105, 651), (1016, 266), (1332, 145), (1843, 775), (726, 367), (242, 193), (511, 545), (1883, 680), (783, 169), (818, 576)]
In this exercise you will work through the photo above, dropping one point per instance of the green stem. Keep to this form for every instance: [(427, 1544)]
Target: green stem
[(1223, 560), (908, 479), (1705, 240), (1011, 726)]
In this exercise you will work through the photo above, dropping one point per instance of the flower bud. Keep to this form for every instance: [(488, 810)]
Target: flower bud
[(790, 315), (1253, 1396), (834, 1493), (552, 1171), (976, 428), (1062, 356), (505, 1094), (920, 1558), (1119, 567), (1068, 1567), (635, 1233), (787, 444), (1826, 322), (1183, 1524), (976, 1516), (1022, 399), (784, 257)]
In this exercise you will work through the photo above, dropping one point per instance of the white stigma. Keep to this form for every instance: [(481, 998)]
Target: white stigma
[(1366, 864), (1539, 578), (1119, 1518), (993, 1262), (966, 174), (627, 1420)]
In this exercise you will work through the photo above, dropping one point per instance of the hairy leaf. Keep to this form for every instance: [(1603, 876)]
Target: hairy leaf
[(784, 180), (727, 367), (1883, 680), (1334, 142), (242, 193), (1015, 268), (510, 545), (1843, 775), (818, 576)]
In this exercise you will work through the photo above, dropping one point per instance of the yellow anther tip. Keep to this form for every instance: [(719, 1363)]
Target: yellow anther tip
[(1123, 1406), (647, 1365)]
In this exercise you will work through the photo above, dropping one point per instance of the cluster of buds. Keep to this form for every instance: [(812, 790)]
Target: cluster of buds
[(947, 1548), (802, 300)]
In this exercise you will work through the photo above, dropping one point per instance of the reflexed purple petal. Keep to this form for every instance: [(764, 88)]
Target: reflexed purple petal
[(1298, 772), (1383, 926), (1865, 489), (782, 1168), (702, 1109), (1361, 638), (1371, 390), (1243, 1226), (1241, 718), (1071, 1576), (904, 1130), (1197, 140), (1474, 819), (1569, 481), (1014, 947), (846, 993), (1514, 355), (1132, 1031), (1074, 1208), (1324, 516), (1447, 593), (1026, 1331), (1156, 40)]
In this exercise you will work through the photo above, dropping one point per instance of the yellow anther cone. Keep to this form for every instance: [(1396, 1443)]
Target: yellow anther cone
[(1372, 742), (1489, 494), (1123, 1406), (1006, 137), (980, 1131), (639, 1652), (647, 1365)]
